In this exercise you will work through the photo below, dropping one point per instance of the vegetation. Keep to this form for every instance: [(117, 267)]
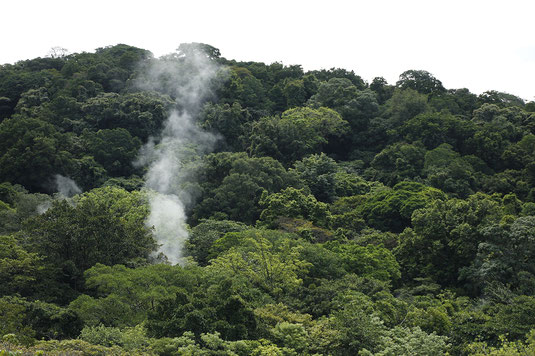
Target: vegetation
[(331, 217)]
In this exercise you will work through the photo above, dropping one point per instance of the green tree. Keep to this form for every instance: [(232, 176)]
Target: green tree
[(229, 120), (398, 162), (205, 234), (273, 266), (446, 237), (142, 114), (505, 256), (420, 80), (434, 129), (234, 184), (114, 149), (446, 170), (368, 261), (296, 133), (293, 203), (403, 106), (32, 152), (124, 296), (106, 226), (19, 269)]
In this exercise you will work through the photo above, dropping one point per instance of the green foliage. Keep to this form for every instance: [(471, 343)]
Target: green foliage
[(327, 179), (512, 348), (505, 255), (420, 80), (446, 237), (398, 162), (296, 133), (101, 335), (114, 149), (403, 106), (368, 261), (434, 129), (401, 218), (18, 268), (132, 340), (142, 114), (318, 172), (411, 341), (12, 314), (126, 295), (228, 121), (32, 151), (269, 260), (35, 319), (446, 170), (236, 183), (357, 328), (18, 205), (293, 203), (203, 236), (105, 226), (392, 209)]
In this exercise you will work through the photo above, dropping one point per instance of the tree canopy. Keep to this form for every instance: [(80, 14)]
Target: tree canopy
[(318, 213)]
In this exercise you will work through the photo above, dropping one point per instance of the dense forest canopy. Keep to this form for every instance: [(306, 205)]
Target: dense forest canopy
[(319, 214)]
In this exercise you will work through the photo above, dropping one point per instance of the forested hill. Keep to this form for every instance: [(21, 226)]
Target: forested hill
[(314, 213)]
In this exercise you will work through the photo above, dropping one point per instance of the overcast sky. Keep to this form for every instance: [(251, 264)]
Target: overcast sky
[(480, 45)]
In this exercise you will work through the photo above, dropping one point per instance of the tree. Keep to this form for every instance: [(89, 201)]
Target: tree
[(504, 256), (205, 234), (446, 237), (274, 266), (32, 152), (434, 129), (403, 106), (124, 296), (106, 226), (325, 75), (357, 328), (235, 183), (446, 170), (114, 149), (296, 133), (58, 52), (367, 261), (355, 106), (382, 90), (142, 114), (227, 120), (293, 203), (392, 209), (319, 174), (195, 49), (398, 162), (500, 98), (19, 269), (420, 80), (411, 341)]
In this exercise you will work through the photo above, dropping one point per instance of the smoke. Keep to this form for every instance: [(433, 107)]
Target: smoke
[(189, 79)]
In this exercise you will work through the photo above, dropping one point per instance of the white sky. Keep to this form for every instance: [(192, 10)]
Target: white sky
[(480, 45)]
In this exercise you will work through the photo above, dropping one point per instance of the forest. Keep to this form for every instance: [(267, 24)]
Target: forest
[(196, 205)]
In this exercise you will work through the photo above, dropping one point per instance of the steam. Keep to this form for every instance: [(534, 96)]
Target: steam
[(188, 79), (66, 187)]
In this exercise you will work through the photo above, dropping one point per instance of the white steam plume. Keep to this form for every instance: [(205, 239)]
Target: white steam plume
[(188, 79), (66, 187)]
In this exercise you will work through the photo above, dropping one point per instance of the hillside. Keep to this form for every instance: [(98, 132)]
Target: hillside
[(197, 205)]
